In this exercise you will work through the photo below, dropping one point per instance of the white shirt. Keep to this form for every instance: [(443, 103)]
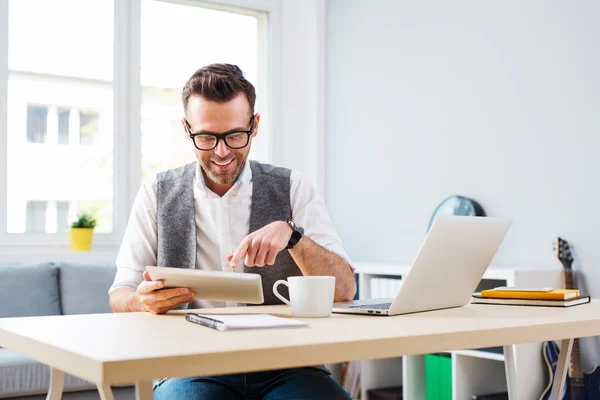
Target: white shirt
[(221, 225)]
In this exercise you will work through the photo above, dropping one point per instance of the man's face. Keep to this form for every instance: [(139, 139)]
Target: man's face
[(222, 165)]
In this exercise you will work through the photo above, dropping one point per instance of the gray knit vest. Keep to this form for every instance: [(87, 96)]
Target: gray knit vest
[(176, 220)]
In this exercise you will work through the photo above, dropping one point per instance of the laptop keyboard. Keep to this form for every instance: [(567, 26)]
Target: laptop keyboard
[(380, 306)]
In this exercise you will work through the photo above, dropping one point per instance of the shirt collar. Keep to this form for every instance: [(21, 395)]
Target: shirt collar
[(241, 182)]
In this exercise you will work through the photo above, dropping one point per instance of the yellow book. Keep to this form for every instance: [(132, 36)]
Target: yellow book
[(555, 294)]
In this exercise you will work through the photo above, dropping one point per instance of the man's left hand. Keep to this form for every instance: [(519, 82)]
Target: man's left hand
[(262, 246)]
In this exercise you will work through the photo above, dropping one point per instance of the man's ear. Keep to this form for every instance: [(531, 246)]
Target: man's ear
[(256, 123), (185, 131)]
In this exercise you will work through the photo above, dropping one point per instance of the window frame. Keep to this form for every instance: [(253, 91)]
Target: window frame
[(30, 105), (127, 114)]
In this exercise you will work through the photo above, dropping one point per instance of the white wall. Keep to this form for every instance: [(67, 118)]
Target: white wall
[(495, 100), (300, 142)]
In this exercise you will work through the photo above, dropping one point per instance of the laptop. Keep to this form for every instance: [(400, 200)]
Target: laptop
[(449, 266)]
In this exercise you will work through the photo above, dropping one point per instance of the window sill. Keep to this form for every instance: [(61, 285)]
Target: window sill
[(21, 255)]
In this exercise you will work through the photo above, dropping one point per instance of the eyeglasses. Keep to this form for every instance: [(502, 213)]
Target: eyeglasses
[(233, 140)]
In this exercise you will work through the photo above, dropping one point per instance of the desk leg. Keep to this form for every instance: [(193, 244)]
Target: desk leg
[(561, 369), (105, 392), (144, 390), (510, 368), (57, 381)]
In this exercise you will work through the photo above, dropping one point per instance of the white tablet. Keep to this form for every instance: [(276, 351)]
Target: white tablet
[(212, 285)]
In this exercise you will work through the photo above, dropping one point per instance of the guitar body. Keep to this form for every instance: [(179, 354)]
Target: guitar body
[(573, 389), (551, 360), (592, 383)]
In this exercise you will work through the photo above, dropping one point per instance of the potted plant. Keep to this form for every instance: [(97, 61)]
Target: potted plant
[(82, 231)]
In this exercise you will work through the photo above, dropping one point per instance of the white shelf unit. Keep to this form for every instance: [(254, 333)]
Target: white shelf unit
[(473, 371)]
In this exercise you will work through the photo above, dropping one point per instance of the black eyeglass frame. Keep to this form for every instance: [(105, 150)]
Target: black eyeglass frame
[(221, 136)]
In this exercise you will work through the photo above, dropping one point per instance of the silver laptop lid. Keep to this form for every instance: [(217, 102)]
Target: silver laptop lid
[(451, 262)]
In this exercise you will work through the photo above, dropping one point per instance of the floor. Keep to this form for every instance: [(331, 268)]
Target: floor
[(127, 393)]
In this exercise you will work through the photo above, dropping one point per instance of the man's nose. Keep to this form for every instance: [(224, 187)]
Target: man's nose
[(222, 150)]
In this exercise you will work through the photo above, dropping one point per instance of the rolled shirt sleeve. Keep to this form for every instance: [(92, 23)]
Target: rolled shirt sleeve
[(139, 245), (309, 211)]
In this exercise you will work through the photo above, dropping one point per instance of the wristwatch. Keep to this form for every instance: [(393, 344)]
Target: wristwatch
[(297, 232)]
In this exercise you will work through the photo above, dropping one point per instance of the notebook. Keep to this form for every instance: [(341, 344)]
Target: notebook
[(224, 322), (555, 294), (479, 299), (493, 396)]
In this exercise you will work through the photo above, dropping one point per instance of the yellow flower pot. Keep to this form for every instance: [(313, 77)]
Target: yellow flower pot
[(81, 239)]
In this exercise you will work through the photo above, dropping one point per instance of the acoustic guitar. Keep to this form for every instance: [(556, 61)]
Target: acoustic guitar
[(580, 385)]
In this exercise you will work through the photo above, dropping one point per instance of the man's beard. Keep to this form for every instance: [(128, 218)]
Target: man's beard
[(229, 177)]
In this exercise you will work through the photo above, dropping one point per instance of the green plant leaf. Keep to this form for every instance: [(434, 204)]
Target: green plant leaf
[(84, 220)]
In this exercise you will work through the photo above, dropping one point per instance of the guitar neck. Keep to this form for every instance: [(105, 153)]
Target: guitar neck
[(569, 279), (575, 368)]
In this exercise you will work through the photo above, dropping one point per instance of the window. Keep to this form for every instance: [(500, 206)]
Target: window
[(93, 108), (37, 121), (65, 100), (62, 216), (63, 125), (89, 128), (36, 216), (168, 60), (47, 216)]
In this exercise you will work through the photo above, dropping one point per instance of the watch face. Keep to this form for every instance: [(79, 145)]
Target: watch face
[(295, 227)]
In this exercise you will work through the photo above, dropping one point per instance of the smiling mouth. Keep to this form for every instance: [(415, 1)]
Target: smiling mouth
[(223, 164)]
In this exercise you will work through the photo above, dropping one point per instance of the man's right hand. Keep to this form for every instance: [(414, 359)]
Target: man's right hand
[(157, 300)]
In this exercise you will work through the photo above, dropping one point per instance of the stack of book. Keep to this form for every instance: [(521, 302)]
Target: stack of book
[(493, 396), (530, 297)]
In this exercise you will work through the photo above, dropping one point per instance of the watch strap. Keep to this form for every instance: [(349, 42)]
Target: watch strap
[(296, 234)]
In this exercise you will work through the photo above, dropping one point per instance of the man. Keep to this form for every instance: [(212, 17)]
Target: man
[(221, 211)]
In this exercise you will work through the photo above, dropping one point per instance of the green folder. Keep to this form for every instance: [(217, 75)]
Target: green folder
[(438, 377)]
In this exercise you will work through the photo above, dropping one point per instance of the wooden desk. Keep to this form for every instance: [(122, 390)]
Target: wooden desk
[(109, 349), (472, 371)]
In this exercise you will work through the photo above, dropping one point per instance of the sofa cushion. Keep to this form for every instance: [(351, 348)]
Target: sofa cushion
[(28, 290), (21, 375), (84, 287)]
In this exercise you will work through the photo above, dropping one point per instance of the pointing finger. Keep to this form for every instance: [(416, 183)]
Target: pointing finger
[(240, 253)]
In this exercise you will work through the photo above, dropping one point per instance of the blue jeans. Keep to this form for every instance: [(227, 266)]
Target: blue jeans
[(286, 384)]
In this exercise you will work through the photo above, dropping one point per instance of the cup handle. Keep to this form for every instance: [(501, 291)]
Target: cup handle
[(276, 293)]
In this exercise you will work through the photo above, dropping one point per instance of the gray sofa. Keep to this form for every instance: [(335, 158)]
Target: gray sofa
[(47, 289)]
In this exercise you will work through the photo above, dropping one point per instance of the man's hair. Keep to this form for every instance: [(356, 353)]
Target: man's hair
[(219, 83)]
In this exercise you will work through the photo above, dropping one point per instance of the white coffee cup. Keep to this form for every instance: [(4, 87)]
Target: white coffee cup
[(310, 296)]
